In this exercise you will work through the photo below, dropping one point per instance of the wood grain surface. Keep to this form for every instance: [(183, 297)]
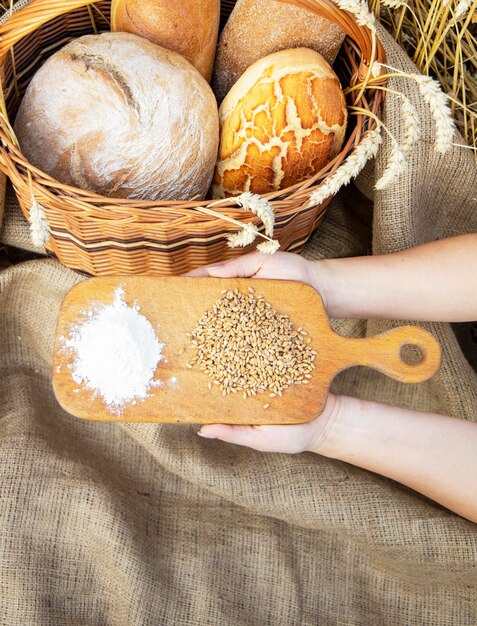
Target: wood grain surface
[(173, 305)]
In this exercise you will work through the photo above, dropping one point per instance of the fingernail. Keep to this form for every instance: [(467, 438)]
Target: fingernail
[(206, 436)]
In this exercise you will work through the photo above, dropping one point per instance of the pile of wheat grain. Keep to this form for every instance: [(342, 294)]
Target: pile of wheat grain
[(245, 346)]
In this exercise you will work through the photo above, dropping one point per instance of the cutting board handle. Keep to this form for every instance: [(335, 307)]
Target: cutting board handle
[(384, 353)]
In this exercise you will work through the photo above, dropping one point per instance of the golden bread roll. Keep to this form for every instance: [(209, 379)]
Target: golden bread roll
[(120, 116), (257, 28), (282, 122), (189, 27)]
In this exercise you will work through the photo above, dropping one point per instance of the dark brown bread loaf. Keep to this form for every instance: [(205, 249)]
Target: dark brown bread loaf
[(257, 28)]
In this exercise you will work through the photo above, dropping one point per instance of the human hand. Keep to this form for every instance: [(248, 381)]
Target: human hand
[(402, 444), (312, 436), (281, 265), (291, 439)]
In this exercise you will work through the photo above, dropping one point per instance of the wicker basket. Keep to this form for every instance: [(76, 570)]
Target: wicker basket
[(99, 235)]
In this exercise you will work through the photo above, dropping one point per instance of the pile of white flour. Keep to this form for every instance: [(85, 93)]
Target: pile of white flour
[(116, 353)]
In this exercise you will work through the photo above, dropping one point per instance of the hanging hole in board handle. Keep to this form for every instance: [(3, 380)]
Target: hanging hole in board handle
[(407, 353), (418, 354), (411, 354)]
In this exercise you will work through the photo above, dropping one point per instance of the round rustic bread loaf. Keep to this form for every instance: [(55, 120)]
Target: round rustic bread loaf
[(281, 123), (189, 27), (123, 117)]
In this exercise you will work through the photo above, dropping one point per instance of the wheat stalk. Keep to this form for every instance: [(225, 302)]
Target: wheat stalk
[(247, 232), (395, 166), (397, 163), (360, 10), (448, 52), (349, 169), (435, 98), (39, 229), (260, 207), (401, 4), (412, 126)]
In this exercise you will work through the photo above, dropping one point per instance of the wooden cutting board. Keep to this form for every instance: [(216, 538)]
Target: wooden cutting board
[(173, 305)]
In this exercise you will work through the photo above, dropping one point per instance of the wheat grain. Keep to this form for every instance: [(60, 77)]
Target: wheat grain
[(412, 126), (438, 103), (376, 69), (260, 207), (244, 237), (361, 12), (269, 247), (461, 9), (396, 165), (394, 4), (349, 169), (39, 228), (247, 233), (245, 345)]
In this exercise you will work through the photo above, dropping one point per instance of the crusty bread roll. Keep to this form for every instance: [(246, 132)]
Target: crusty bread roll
[(120, 116), (257, 28), (189, 27), (282, 121)]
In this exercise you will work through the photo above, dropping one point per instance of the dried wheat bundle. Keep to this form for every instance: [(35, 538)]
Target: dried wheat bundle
[(441, 38)]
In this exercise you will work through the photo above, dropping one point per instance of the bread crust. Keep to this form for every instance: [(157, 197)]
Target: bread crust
[(120, 116), (257, 28), (189, 27), (282, 122)]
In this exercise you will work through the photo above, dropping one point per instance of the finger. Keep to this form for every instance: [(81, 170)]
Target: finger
[(199, 271), (240, 267), (239, 435), (288, 439)]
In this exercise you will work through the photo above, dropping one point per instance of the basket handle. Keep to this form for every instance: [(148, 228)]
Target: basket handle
[(27, 20)]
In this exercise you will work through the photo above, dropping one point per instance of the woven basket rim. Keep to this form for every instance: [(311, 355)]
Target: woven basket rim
[(47, 190)]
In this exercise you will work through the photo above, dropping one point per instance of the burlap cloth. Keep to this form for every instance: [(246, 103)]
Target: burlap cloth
[(146, 524)]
